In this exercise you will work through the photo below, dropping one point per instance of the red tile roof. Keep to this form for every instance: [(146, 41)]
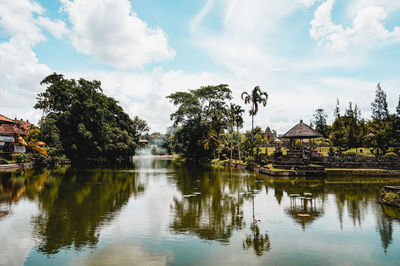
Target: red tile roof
[(25, 125), (11, 129), (5, 120)]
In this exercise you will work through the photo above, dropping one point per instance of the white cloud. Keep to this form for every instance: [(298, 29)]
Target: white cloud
[(308, 3), (200, 16), (354, 6), (111, 32), (57, 28), (20, 70), (367, 28)]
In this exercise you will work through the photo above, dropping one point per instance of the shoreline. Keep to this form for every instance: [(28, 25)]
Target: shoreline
[(328, 172), (14, 166), (154, 156)]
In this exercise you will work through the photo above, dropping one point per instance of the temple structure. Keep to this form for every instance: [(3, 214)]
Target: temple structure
[(269, 136)]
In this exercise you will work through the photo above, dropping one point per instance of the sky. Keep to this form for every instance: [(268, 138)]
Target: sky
[(304, 53)]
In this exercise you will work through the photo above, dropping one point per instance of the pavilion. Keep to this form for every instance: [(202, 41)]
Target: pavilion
[(301, 131)]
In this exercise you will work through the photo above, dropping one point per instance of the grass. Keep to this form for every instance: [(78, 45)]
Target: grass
[(324, 151), (358, 151), (271, 150), (353, 169), (272, 168)]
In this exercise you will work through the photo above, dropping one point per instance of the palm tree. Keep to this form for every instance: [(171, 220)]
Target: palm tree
[(254, 99), (236, 119), (212, 143)]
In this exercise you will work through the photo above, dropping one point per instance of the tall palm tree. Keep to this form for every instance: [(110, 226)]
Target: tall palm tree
[(236, 119), (254, 99)]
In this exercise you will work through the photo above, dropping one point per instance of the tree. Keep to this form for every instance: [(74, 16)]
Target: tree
[(236, 120), (254, 99), (337, 133), (253, 138), (379, 105), (320, 122), (201, 117), (337, 109), (382, 123), (140, 128), (88, 124)]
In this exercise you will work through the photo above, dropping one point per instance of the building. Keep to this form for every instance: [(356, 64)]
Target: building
[(9, 132), (269, 136)]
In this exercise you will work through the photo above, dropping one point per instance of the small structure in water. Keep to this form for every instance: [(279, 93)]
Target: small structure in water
[(390, 196)]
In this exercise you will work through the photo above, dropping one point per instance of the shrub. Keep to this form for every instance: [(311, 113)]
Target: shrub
[(349, 153), (392, 198), (19, 157), (58, 160), (41, 161), (391, 154), (250, 162)]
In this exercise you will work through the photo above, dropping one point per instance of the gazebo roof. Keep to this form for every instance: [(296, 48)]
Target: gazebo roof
[(5, 120), (302, 131)]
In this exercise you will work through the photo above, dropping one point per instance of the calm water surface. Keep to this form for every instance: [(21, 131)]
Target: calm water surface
[(163, 213)]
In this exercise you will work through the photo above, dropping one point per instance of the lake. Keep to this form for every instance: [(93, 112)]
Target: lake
[(160, 212)]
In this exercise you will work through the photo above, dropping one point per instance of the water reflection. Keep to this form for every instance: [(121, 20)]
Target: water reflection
[(209, 205), (217, 205), (74, 206)]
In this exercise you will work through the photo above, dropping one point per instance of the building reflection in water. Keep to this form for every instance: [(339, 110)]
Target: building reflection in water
[(304, 209)]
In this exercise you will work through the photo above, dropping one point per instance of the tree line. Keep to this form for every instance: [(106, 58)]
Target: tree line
[(350, 130)]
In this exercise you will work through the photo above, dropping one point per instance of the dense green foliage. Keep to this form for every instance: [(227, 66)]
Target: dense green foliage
[(381, 132), (201, 117), (83, 123), (320, 122), (392, 199)]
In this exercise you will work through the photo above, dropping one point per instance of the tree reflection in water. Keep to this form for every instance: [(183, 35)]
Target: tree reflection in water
[(75, 206), (213, 214), (259, 242), (217, 211)]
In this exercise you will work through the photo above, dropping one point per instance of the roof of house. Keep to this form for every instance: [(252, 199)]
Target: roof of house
[(302, 131), (5, 120), (11, 129), (25, 125)]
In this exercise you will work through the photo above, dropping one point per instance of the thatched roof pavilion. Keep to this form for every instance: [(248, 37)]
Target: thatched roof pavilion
[(302, 131)]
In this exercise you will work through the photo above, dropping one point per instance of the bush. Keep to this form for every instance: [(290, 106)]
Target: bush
[(41, 161), (392, 198), (391, 154), (250, 162), (19, 157), (58, 160), (349, 153)]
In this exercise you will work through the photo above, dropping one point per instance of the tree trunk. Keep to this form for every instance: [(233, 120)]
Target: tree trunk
[(252, 134), (240, 155), (231, 147)]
